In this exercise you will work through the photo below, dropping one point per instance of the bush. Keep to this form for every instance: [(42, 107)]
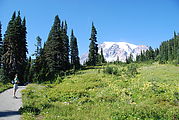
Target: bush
[(112, 70), (132, 70)]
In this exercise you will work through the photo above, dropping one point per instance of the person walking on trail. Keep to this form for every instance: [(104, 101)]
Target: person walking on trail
[(15, 87)]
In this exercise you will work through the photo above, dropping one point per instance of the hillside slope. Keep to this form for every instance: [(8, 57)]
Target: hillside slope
[(92, 94)]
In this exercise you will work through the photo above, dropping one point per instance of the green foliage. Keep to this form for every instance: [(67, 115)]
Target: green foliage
[(148, 55), (75, 60), (169, 50), (101, 58), (93, 48), (56, 50), (4, 82), (15, 48), (131, 70), (4, 86), (114, 70), (90, 94)]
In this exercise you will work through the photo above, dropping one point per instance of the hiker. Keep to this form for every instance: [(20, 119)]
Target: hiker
[(15, 87)]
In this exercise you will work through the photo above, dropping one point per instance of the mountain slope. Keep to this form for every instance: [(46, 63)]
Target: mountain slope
[(114, 50)]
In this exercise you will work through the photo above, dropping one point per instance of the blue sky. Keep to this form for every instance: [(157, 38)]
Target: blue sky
[(141, 22)]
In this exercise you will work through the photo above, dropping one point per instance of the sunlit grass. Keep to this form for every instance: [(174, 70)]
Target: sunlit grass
[(91, 94)]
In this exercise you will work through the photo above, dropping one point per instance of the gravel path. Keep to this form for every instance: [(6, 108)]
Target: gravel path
[(9, 106)]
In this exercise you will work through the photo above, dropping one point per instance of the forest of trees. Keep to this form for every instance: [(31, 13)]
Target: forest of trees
[(59, 54), (50, 60), (167, 52)]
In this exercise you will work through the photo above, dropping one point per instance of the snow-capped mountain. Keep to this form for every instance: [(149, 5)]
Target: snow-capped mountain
[(114, 50)]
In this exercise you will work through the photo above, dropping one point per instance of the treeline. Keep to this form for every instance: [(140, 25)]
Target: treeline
[(58, 54), (167, 52), (149, 54), (56, 57)]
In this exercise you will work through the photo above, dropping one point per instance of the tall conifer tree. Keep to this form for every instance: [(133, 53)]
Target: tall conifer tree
[(38, 46), (75, 63), (65, 39), (93, 48), (14, 57), (54, 49)]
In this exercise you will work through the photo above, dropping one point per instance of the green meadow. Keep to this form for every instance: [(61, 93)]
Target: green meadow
[(110, 92)]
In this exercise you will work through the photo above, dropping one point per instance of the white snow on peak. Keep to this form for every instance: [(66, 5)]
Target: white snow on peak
[(122, 45), (114, 50)]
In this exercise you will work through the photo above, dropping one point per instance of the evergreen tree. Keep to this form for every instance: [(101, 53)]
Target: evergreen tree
[(151, 53), (130, 59), (170, 50), (39, 70), (65, 39), (23, 50), (138, 58), (93, 48), (156, 54), (102, 57), (14, 57), (54, 50), (142, 57), (175, 45), (8, 48), (75, 63), (127, 60), (1, 46), (117, 59), (38, 47), (27, 75)]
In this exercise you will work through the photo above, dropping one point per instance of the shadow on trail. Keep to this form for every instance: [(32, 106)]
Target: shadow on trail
[(9, 113)]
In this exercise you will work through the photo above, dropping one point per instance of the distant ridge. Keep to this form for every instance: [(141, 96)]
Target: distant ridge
[(114, 50)]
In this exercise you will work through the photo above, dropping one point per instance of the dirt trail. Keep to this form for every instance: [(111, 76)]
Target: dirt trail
[(9, 106)]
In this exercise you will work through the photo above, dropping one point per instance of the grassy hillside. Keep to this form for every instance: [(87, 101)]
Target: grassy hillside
[(152, 93)]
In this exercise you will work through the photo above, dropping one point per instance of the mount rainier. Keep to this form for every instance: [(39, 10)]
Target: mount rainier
[(114, 50)]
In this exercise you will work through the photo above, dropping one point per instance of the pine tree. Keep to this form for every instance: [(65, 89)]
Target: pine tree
[(142, 57), (27, 75), (23, 51), (130, 59), (38, 47), (93, 48), (39, 70), (14, 57), (156, 54), (65, 39), (175, 45), (1, 46), (75, 63), (8, 48), (102, 56), (54, 50)]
